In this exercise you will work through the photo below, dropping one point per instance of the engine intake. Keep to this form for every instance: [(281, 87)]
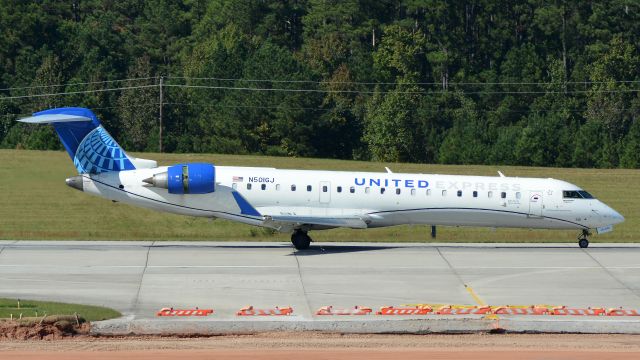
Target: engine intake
[(196, 178)]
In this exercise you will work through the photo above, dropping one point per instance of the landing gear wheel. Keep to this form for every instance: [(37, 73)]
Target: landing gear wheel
[(583, 240), (300, 240)]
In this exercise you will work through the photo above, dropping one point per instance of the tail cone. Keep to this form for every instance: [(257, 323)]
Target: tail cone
[(75, 182)]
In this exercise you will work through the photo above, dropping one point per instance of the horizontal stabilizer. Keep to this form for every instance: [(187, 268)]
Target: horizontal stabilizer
[(348, 222), (53, 118), (143, 163)]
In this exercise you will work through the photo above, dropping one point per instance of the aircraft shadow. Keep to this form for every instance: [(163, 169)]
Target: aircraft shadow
[(337, 249), (230, 246)]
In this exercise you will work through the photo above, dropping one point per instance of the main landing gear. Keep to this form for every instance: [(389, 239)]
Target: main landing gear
[(300, 239), (583, 240)]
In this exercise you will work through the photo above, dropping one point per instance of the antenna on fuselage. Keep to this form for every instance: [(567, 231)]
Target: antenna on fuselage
[(500, 173), (388, 170)]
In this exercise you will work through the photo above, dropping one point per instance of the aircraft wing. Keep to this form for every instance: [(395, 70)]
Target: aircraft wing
[(329, 221)]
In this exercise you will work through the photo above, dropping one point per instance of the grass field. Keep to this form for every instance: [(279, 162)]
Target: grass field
[(29, 308), (35, 203)]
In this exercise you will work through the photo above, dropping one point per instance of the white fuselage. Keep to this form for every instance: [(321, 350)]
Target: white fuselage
[(379, 199)]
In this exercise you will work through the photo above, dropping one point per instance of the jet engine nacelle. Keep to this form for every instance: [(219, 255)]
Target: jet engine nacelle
[(196, 178)]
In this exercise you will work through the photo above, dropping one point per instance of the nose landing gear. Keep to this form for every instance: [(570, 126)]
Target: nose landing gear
[(583, 240), (300, 239)]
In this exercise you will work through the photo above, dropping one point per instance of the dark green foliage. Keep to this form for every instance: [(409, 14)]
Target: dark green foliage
[(541, 83)]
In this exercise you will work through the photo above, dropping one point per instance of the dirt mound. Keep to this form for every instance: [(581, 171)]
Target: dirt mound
[(49, 328)]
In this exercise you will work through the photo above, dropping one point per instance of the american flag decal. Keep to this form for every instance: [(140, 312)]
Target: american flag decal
[(237, 179)]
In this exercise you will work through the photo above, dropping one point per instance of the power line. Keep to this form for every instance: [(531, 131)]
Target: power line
[(398, 91), (407, 83), (427, 92), (74, 84), (450, 84), (77, 92), (441, 110), (249, 106)]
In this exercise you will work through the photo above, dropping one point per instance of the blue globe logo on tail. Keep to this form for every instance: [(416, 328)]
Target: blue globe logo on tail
[(99, 152)]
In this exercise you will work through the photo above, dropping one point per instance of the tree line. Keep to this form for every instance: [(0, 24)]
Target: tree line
[(543, 83)]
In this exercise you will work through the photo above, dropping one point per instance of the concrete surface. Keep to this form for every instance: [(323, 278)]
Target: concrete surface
[(139, 278)]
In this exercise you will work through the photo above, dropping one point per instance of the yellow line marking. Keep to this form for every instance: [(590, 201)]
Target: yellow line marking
[(474, 295), (479, 301)]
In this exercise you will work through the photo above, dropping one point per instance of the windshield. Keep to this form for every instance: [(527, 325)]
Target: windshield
[(576, 194), (585, 194)]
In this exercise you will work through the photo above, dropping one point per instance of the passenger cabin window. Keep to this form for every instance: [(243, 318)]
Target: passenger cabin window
[(444, 192), (459, 193), (413, 192), (352, 189), (309, 187), (263, 186), (293, 188), (325, 188), (277, 187), (234, 185), (382, 190), (518, 195), (475, 194), (428, 192), (490, 194), (248, 186), (503, 195), (398, 191), (339, 189), (366, 190)]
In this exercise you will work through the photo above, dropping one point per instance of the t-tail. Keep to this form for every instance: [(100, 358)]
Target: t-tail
[(89, 145)]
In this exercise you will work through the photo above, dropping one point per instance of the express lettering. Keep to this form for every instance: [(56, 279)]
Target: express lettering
[(454, 185)]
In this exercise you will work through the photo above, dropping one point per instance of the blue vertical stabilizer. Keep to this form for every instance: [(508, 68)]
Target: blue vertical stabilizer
[(89, 145)]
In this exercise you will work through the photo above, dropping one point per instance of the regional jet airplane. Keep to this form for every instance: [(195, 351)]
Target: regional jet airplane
[(298, 201)]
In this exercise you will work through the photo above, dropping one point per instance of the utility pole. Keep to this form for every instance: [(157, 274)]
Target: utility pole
[(160, 117)]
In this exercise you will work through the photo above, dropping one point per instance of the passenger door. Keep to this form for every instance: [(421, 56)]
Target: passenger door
[(535, 204)]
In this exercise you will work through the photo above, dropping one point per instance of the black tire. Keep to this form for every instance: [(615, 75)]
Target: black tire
[(583, 243), (300, 240)]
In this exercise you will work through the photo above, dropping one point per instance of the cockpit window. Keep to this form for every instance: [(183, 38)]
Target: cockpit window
[(571, 195), (577, 194), (585, 194)]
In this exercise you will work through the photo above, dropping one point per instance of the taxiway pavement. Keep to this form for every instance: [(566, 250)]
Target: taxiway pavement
[(139, 278)]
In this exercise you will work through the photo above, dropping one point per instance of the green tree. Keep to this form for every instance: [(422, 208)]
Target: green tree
[(609, 98), (138, 110), (464, 142)]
